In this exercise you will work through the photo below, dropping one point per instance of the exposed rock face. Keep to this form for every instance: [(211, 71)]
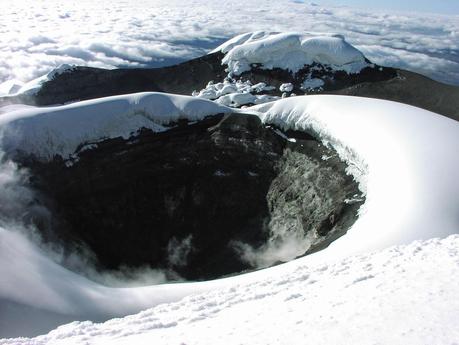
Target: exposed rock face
[(180, 198), (333, 80), (305, 192)]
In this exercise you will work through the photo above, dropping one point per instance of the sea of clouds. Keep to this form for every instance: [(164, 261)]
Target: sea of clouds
[(36, 36)]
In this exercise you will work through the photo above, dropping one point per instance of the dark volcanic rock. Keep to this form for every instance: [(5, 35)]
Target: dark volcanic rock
[(180, 198), (411, 88), (311, 192), (333, 80)]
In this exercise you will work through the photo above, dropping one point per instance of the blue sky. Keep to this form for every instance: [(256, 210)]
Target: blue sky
[(438, 6)]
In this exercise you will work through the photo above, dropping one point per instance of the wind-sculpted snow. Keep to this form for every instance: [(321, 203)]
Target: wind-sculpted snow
[(405, 160), (401, 295), (36, 37), (46, 132), (290, 51)]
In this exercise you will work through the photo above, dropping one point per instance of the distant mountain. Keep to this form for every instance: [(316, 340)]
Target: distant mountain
[(285, 66)]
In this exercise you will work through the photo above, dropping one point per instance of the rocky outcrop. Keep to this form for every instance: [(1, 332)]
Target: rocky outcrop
[(332, 79), (179, 199)]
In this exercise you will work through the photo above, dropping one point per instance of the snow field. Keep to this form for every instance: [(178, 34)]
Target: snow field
[(401, 295)]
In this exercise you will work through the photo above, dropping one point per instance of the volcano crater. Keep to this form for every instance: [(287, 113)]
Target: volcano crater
[(190, 199)]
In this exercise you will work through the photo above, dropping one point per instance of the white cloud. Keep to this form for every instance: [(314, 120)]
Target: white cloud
[(37, 36), (178, 251)]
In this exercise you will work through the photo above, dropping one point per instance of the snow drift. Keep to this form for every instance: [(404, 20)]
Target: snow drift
[(401, 295)]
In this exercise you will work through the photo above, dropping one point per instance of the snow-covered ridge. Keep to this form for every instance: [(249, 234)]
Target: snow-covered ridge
[(10, 87), (46, 132), (403, 158), (31, 88), (290, 51)]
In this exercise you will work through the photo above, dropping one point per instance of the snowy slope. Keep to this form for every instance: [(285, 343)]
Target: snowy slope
[(290, 51), (45, 132), (10, 87), (402, 295), (15, 87), (33, 86), (404, 159)]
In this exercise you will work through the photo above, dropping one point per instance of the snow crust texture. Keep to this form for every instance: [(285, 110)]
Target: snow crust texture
[(401, 295), (290, 51), (46, 132)]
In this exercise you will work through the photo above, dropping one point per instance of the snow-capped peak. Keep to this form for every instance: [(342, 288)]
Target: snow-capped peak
[(290, 51)]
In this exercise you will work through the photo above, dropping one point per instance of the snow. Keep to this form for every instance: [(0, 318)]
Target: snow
[(237, 100), (32, 87), (290, 51), (287, 87), (14, 87), (10, 87), (401, 295), (312, 84), (46, 132), (13, 107), (214, 91), (404, 159), (236, 93)]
